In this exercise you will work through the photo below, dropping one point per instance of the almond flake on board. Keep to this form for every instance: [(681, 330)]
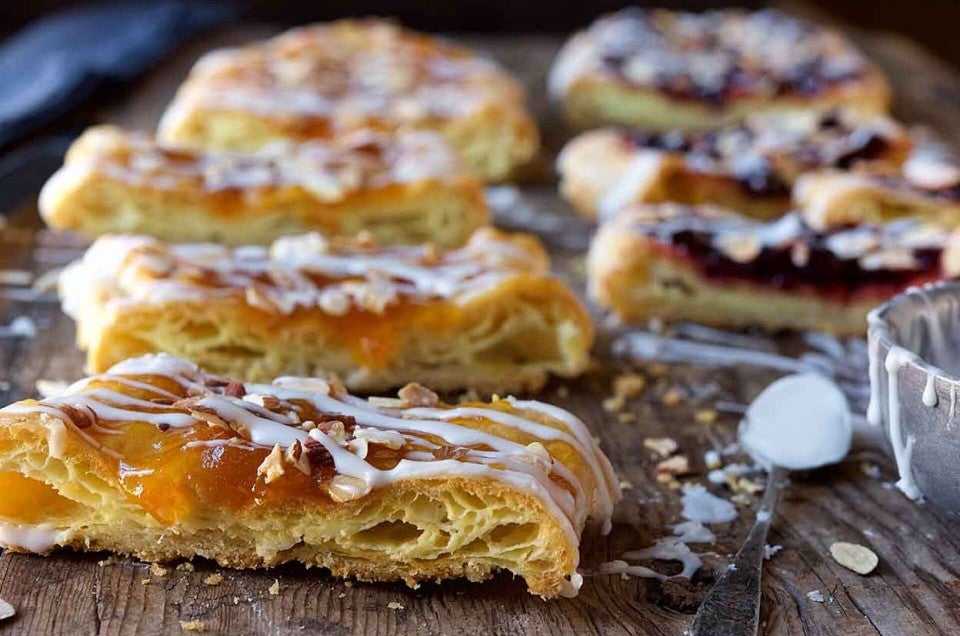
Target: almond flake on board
[(855, 557)]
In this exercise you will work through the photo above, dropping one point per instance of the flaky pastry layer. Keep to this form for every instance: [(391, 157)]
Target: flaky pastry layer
[(486, 316), (709, 266), (660, 69), (160, 460), (407, 188), (749, 167), (318, 81), (923, 191)]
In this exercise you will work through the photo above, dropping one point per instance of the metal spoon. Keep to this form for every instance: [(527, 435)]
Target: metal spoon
[(799, 422)]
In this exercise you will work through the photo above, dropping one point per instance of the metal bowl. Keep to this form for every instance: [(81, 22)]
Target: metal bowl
[(915, 390)]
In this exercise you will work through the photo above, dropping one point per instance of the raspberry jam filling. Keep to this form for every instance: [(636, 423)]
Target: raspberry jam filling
[(788, 255)]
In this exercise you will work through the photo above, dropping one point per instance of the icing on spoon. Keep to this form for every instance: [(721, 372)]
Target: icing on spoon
[(799, 422)]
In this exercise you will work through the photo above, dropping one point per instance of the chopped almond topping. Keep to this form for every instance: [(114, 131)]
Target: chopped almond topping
[(272, 466), (415, 395)]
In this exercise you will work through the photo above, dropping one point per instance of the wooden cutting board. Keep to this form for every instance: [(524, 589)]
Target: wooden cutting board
[(914, 590)]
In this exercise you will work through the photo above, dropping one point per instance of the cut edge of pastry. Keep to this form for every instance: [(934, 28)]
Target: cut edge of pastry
[(637, 278), (506, 335), (450, 517)]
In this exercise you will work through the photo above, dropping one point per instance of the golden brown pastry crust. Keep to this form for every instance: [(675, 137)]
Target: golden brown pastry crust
[(407, 188), (659, 69), (925, 190), (486, 316), (160, 460), (710, 266), (318, 81), (748, 168)]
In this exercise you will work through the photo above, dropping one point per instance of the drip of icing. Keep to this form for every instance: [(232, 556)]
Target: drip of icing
[(648, 346), (702, 506), (930, 390), (902, 448)]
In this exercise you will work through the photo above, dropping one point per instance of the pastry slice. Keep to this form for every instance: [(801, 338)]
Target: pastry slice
[(321, 80), (162, 461), (927, 189), (705, 265), (407, 188), (487, 316), (660, 69), (748, 167)]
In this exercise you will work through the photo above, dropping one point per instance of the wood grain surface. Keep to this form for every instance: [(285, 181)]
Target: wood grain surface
[(913, 591)]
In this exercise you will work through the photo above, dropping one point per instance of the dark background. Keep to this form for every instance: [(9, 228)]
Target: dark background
[(935, 23)]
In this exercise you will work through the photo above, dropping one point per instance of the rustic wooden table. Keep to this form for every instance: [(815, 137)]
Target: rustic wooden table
[(914, 590)]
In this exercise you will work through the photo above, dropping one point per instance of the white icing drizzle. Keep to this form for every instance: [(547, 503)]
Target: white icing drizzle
[(902, 448), (327, 169), (930, 390), (524, 468), (297, 272)]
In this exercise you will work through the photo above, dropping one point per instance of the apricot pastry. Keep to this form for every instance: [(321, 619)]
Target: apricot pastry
[(160, 460), (487, 315), (407, 188), (321, 80)]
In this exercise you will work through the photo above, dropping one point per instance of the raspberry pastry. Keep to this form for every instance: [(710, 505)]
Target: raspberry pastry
[(406, 188), (659, 69), (706, 265), (926, 189), (321, 80), (161, 460), (487, 316), (748, 167)]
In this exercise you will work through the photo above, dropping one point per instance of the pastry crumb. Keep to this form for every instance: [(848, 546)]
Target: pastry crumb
[(870, 469), (563, 391), (193, 626), (676, 465), (662, 446), (275, 588), (395, 605), (110, 560), (236, 600), (145, 581), (214, 579), (854, 557), (705, 416), (186, 566), (672, 397), (625, 485), (627, 417), (158, 570)]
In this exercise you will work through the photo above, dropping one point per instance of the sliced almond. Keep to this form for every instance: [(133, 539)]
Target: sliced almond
[(855, 557)]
